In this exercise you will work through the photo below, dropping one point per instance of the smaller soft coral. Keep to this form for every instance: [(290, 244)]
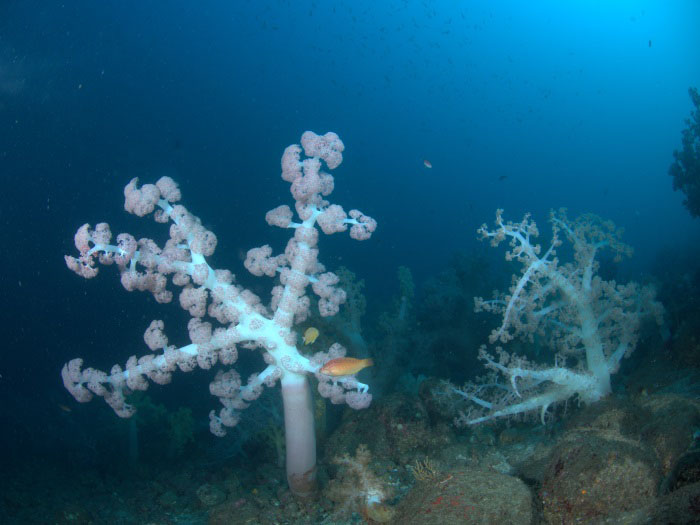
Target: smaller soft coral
[(589, 323), (357, 488)]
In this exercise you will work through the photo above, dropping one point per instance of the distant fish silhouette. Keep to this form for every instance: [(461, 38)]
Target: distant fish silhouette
[(649, 43), (502, 177), (427, 164)]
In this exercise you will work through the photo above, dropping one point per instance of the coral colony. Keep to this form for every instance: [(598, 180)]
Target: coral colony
[(225, 316), (591, 324), (685, 168)]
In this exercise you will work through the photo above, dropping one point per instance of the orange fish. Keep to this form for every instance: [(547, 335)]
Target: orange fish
[(427, 164), (345, 366)]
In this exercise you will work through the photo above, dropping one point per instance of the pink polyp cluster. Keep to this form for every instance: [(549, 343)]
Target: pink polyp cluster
[(328, 147)]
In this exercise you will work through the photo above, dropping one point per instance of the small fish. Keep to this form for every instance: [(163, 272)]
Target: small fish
[(310, 335), (649, 43), (427, 163), (502, 177), (345, 366), (64, 408)]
